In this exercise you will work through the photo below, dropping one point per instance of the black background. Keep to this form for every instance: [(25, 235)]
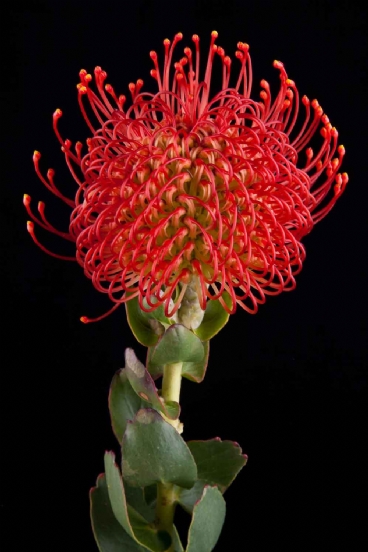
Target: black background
[(289, 384)]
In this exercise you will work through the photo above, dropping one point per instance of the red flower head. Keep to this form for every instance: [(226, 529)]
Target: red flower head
[(180, 188)]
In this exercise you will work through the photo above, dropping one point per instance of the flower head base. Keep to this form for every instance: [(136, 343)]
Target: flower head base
[(181, 188)]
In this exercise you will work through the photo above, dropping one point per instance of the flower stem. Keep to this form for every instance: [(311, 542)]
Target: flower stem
[(166, 498), (171, 384)]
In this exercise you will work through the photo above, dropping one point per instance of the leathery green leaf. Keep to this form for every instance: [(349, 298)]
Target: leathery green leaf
[(218, 463), (124, 403), (109, 534), (153, 452), (131, 521), (144, 386), (158, 313), (178, 547), (207, 521), (178, 344), (194, 371), (144, 327)]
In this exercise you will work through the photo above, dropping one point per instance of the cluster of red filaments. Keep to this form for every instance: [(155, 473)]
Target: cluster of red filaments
[(181, 187)]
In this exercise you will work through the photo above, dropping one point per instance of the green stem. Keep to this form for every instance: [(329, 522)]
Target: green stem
[(171, 383), (165, 506)]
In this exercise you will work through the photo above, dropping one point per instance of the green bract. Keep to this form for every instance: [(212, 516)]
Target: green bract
[(215, 318)]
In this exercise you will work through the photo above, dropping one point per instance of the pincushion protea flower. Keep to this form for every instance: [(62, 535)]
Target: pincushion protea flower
[(181, 188)]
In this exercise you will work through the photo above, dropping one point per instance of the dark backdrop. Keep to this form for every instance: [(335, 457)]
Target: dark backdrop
[(289, 384)]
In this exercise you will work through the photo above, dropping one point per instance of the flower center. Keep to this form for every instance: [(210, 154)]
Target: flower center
[(174, 201)]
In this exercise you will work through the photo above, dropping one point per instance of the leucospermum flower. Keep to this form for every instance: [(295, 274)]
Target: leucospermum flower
[(181, 187)]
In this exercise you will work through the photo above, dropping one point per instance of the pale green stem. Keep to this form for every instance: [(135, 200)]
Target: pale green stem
[(165, 506)]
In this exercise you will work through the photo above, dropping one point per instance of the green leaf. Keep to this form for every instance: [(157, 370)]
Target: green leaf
[(178, 547), (178, 344), (108, 533), (150, 494), (135, 498), (194, 371), (218, 463), (123, 403), (207, 521), (187, 498), (158, 313), (144, 327), (144, 386), (153, 452), (215, 318), (131, 521)]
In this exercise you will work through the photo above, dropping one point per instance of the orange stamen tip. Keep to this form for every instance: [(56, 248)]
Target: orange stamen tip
[(36, 154), (278, 64), (214, 34), (167, 42), (84, 319), (341, 150), (195, 38), (179, 36), (30, 226), (57, 113), (26, 199), (243, 46)]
